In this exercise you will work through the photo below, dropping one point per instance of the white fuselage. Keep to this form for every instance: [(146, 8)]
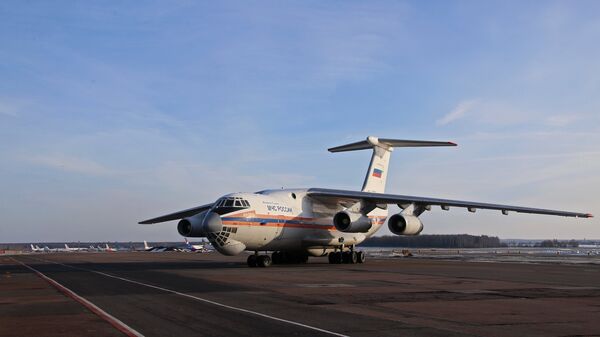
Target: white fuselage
[(286, 220)]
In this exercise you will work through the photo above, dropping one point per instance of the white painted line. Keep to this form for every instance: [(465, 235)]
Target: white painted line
[(124, 328), (205, 300)]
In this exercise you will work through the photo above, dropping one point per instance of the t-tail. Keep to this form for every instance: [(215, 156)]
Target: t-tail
[(382, 149)]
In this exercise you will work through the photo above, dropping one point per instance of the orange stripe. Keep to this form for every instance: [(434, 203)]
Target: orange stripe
[(253, 214), (281, 224), (287, 225)]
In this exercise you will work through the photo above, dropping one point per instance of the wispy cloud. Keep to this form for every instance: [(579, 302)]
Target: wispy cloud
[(71, 164), (9, 107), (458, 112), (562, 120)]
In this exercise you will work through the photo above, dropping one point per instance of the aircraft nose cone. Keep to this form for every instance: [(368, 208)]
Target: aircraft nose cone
[(212, 223)]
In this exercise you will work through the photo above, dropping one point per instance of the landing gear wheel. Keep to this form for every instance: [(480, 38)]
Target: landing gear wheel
[(346, 257), (352, 257), (303, 258), (276, 257), (335, 257), (264, 261), (252, 261), (360, 257), (330, 258)]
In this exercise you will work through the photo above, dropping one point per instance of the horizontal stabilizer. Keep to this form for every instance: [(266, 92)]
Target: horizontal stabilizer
[(371, 142)]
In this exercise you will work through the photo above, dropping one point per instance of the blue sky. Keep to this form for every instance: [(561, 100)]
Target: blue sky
[(113, 112)]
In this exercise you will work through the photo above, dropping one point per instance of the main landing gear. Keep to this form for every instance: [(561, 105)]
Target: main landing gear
[(256, 260), (351, 256)]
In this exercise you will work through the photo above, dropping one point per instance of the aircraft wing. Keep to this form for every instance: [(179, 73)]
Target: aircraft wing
[(381, 198), (177, 215)]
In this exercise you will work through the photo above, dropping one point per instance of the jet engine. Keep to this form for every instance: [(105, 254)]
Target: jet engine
[(351, 222), (200, 225), (405, 224)]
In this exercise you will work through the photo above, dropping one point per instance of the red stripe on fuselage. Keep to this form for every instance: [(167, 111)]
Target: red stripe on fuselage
[(279, 224), (252, 214)]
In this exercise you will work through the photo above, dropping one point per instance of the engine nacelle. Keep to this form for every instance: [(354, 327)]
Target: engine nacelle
[(200, 225), (350, 222), (404, 224)]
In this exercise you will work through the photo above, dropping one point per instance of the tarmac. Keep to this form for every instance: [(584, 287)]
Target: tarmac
[(185, 294)]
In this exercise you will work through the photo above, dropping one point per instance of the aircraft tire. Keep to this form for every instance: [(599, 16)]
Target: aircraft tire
[(352, 257), (335, 257), (276, 258), (252, 261), (360, 257), (346, 257), (330, 258), (303, 258), (264, 261)]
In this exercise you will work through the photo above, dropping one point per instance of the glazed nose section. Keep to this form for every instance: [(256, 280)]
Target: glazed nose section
[(212, 223)]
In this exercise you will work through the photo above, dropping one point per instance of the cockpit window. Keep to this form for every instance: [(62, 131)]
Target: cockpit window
[(230, 204)]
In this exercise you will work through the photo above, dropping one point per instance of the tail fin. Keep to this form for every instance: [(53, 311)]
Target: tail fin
[(189, 245), (66, 246), (146, 245), (382, 149)]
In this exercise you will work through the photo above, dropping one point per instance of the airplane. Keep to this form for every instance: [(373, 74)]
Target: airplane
[(157, 249), (193, 248), (52, 250), (36, 249), (294, 224), (45, 249), (77, 249), (106, 248), (146, 247)]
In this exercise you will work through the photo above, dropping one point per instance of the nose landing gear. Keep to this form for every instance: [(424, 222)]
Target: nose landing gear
[(256, 260)]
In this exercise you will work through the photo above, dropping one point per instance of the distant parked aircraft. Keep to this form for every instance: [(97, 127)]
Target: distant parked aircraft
[(36, 249), (109, 249), (192, 247), (106, 248), (78, 249), (146, 247), (296, 223)]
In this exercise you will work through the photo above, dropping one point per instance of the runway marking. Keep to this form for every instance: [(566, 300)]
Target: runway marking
[(324, 285), (124, 328), (201, 299)]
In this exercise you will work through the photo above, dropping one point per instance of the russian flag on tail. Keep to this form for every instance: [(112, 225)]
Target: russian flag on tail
[(377, 173)]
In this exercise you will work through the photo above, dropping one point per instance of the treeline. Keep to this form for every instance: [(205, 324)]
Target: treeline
[(558, 244), (434, 241)]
